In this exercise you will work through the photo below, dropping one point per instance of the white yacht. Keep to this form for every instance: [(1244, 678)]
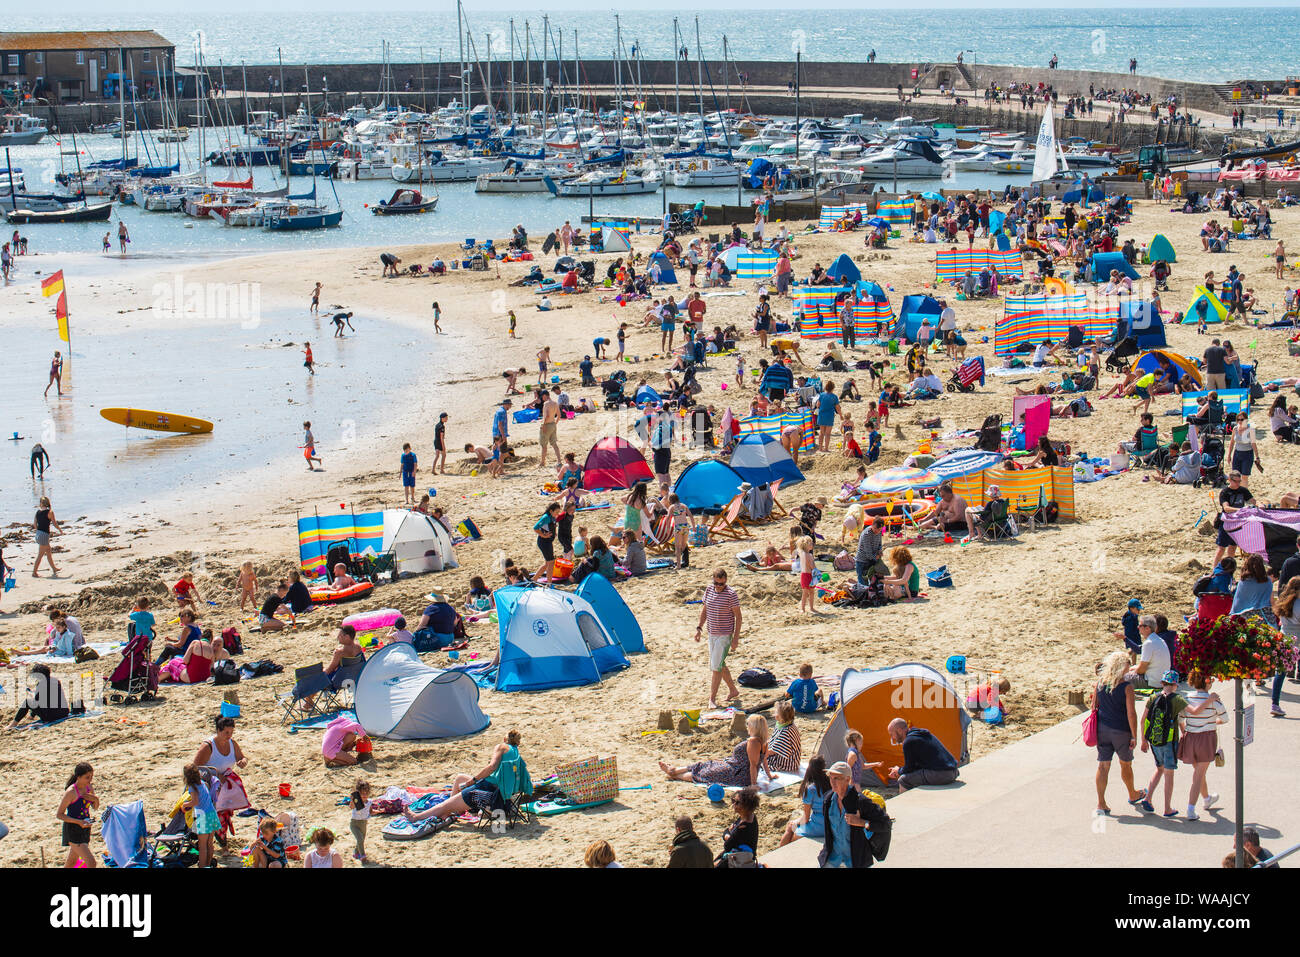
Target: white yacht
[(908, 157)]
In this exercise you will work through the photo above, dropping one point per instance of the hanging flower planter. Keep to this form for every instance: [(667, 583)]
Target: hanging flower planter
[(1234, 646)]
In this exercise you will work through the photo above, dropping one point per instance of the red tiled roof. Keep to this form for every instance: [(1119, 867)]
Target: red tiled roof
[(83, 40)]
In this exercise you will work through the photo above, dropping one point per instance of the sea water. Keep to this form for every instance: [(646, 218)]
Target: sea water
[(1193, 42)]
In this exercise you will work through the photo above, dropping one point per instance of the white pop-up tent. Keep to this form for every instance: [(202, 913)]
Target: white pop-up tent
[(419, 543), (400, 697)]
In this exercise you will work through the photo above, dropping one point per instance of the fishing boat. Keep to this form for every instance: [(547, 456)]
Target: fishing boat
[(245, 156), (529, 179), (84, 213), (405, 201), (19, 129)]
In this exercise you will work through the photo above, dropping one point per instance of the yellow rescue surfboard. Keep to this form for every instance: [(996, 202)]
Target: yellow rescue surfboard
[(157, 421)]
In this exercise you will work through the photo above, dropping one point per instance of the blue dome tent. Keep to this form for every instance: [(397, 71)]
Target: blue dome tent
[(613, 612), (913, 312), (550, 639), (707, 485), (761, 459), (844, 270), (1103, 263)]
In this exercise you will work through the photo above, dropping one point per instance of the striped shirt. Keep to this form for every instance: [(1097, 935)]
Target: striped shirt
[(720, 605), (786, 749), (1207, 719)]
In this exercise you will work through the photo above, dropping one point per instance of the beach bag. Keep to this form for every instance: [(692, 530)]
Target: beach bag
[(939, 578), (426, 639), (225, 673), (844, 562), (589, 780), (1090, 726), (757, 678), (259, 669)]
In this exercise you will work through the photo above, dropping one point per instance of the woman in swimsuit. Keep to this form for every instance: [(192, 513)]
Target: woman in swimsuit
[(44, 523), (56, 371), (74, 811)]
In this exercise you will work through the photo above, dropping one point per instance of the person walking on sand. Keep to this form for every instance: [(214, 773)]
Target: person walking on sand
[(440, 446), (108, 242), (548, 427), (566, 236), (437, 315), (308, 362), (543, 360), (56, 373), (340, 318), (314, 308), (510, 314), (721, 612), (408, 474), (309, 447), (78, 801), (1279, 258), (123, 237), (44, 524)]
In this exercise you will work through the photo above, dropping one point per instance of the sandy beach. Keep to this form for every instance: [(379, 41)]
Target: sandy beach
[(1040, 609)]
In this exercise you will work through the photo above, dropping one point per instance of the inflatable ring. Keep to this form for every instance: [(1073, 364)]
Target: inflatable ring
[(329, 596), (691, 167), (892, 511)]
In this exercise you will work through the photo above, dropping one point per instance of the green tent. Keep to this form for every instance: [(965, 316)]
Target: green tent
[(1161, 248), (1216, 313)]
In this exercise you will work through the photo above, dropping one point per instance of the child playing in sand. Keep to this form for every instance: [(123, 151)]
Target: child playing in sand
[(185, 592), (581, 544), (268, 850), (309, 447), (247, 582), (360, 805), (740, 371), (513, 321), (309, 363), (988, 695), (622, 341), (804, 693), (322, 853), (510, 375), (437, 315), (806, 570), (484, 458), (681, 519)]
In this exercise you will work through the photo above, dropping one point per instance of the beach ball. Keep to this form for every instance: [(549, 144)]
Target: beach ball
[(826, 576), (716, 793), (724, 387), (433, 493)]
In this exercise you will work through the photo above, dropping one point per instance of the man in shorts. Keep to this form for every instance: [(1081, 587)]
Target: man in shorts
[(721, 612), (548, 427), (440, 445), (949, 513)]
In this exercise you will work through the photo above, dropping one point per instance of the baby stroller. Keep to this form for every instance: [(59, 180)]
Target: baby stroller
[(966, 375), (1160, 272), (613, 389), (1124, 350), (1211, 463), (136, 676)]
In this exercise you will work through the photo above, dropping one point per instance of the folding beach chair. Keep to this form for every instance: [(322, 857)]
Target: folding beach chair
[(516, 787), (778, 510), (309, 682), (728, 523), (994, 523)]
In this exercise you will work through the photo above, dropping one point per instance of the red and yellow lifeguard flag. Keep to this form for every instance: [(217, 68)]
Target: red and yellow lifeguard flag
[(53, 286)]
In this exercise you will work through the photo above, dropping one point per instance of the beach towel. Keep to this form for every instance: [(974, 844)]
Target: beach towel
[(102, 649), (49, 724), (769, 785)]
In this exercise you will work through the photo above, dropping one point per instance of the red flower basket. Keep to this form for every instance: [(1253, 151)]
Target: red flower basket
[(1235, 646)]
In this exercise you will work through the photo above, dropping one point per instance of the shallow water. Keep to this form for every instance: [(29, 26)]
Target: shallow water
[(250, 382)]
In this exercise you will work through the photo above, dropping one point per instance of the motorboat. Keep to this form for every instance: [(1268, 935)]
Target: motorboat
[(19, 129), (912, 157), (700, 171), (405, 201), (610, 182)]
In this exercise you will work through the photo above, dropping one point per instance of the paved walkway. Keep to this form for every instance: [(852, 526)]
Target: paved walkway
[(1030, 805)]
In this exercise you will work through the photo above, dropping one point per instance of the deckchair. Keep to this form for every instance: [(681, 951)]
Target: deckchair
[(728, 523), (516, 788), (778, 509), (993, 523)]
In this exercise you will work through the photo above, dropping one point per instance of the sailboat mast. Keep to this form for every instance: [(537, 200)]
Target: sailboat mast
[(512, 71), (677, 83), (460, 40), (726, 78), (546, 32), (699, 60), (284, 119), (121, 100), (618, 73)]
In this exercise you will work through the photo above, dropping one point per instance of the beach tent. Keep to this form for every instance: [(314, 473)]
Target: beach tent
[(1269, 532), (1103, 263), (667, 276), (419, 542), (551, 639), (1003, 241), (1142, 321), (707, 485), (614, 463), (761, 459), (1148, 362), (400, 697), (646, 394), (615, 238), (913, 312), (1095, 195), (996, 219), (757, 266), (917, 693), (613, 612), (843, 270), (1161, 248), (731, 257), (1216, 312)]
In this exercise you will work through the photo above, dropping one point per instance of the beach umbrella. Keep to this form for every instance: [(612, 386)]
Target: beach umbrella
[(899, 479), (964, 462), (937, 197), (875, 222)]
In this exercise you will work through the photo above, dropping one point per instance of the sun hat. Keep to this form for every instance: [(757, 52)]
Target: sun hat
[(1169, 678), (840, 767), (1134, 603)]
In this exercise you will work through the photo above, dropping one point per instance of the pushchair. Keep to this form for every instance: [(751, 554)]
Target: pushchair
[(1124, 350), (612, 387), (966, 375), (340, 553), (1211, 463), (136, 676), (679, 223)]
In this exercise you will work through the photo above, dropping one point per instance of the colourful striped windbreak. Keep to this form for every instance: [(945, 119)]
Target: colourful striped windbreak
[(830, 215), (814, 310), (953, 264), (1023, 489), (316, 532), (1035, 318), (623, 228), (758, 266), (1234, 401), (897, 211), (774, 424)]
